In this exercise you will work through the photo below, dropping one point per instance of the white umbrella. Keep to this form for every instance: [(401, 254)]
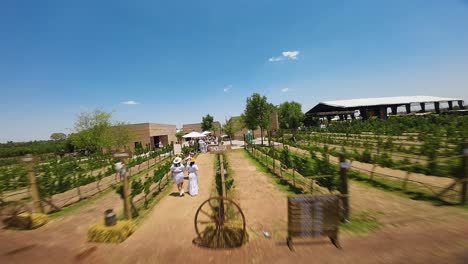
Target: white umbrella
[(206, 133), (193, 134)]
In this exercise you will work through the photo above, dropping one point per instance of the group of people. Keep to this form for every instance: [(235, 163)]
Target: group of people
[(203, 143), (178, 175), (211, 140)]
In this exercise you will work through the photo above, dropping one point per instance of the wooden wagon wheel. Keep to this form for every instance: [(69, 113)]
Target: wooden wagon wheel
[(212, 219), (13, 208), (10, 211)]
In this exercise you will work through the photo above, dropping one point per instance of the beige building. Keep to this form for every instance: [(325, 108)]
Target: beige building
[(187, 128), (152, 134), (240, 131)]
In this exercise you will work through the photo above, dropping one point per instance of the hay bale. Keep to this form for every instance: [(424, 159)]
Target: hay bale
[(111, 234), (26, 221)]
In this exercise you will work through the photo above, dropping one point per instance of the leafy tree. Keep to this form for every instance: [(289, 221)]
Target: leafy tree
[(229, 128), (257, 113), (179, 136), (250, 123), (290, 115), (58, 136), (121, 135), (207, 123), (14, 149), (92, 130)]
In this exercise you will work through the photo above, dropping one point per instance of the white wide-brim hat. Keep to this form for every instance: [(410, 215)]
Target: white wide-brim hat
[(177, 160)]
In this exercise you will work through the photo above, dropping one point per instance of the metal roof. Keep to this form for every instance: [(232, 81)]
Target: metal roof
[(399, 100)]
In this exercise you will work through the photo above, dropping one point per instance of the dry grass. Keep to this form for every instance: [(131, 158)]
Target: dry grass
[(26, 221), (111, 234)]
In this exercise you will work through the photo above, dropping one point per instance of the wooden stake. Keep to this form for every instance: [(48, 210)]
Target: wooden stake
[(126, 193), (37, 206), (372, 172), (406, 179), (344, 187), (464, 190)]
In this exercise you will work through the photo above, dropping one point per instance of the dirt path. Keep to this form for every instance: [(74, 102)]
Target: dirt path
[(167, 233), (424, 233), (60, 240), (63, 237), (263, 204)]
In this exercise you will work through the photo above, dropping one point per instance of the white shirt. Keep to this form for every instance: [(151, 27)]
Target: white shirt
[(192, 169), (177, 171)]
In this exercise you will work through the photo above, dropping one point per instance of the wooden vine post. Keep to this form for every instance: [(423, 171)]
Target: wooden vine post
[(126, 191), (408, 173), (344, 186), (372, 172), (464, 190), (28, 160), (223, 186), (274, 161)]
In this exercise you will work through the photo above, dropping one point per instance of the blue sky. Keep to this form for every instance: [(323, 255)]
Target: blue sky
[(180, 60)]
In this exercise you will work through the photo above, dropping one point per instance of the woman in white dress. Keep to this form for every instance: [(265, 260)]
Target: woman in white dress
[(193, 178), (177, 170)]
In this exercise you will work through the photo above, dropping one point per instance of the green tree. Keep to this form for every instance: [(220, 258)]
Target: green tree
[(229, 128), (179, 136), (290, 116), (92, 130), (249, 123), (58, 136), (121, 135), (207, 123), (257, 113)]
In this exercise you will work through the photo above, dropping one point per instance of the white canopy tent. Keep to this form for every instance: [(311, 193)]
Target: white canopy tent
[(193, 134), (206, 133)]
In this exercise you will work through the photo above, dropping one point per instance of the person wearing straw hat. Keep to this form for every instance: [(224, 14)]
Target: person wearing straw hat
[(192, 169), (177, 170)]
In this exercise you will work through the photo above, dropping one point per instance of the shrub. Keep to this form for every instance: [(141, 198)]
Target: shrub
[(366, 156), (385, 160), (418, 168)]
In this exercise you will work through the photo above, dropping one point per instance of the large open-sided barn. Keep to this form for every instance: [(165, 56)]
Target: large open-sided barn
[(368, 107)]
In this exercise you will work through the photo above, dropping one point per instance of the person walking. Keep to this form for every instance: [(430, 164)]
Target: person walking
[(177, 170), (193, 177), (201, 145)]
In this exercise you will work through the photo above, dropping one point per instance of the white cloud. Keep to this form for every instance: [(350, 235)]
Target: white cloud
[(286, 55), (227, 88), (131, 102), (284, 90), (291, 54), (273, 59)]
